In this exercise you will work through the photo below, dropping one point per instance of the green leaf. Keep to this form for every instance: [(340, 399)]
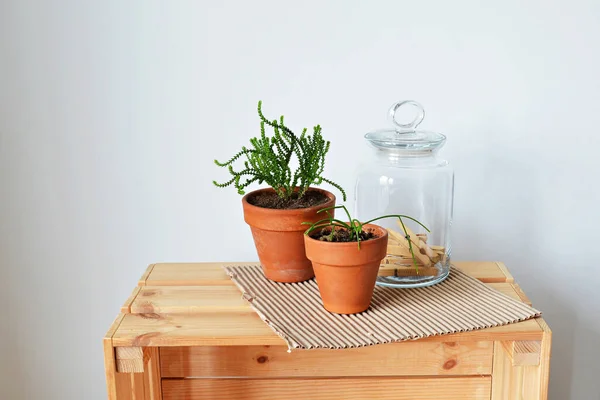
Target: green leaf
[(269, 159)]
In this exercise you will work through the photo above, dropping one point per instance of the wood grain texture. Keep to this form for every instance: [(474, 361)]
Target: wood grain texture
[(153, 300), (521, 294), (146, 274), (152, 380), (209, 274), (504, 379), (485, 271), (520, 382), (141, 386), (505, 271), (126, 307), (507, 289), (231, 329), (218, 299), (130, 386), (129, 359), (188, 299), (212, 314), (397, 359), (524, 352), (110, 368), (208, 329), (114, 326), (459, 388), (216, 315), (191, 274), (513, 382), (144, 385), (545, 355)]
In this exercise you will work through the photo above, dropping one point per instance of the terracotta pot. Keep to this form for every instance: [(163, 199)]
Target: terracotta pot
[(279, 237), (346, 274)]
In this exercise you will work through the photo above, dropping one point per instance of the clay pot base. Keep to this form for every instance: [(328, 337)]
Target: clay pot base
[(346, 274), (346, 290)]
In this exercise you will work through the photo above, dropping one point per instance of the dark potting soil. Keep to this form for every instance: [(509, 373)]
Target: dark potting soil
[(340, 235), (271, 200)]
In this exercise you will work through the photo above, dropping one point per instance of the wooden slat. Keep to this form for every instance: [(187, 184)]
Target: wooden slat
[(472, 388), (521, 294), (521, 382), (545, 354), (114, 326), (396, 359), (510, 290), (146, 274), (219, 299), (144, 384), (513, 382), (209, 329), (505, 271), (129, 359), (126, 308), (130, 386), (188, 299), (504, 377), (208, 274), (190, 274), (152, 380), (526, 352), (230, 329), (485, 271), (110, 367), (240, 325)]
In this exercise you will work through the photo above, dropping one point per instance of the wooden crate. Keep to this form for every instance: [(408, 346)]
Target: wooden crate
[(186, 333)]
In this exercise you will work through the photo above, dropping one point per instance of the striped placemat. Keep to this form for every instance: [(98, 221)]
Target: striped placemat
[(295, 311)]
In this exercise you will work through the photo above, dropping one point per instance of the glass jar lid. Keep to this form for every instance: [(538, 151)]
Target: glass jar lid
[(406, 136)]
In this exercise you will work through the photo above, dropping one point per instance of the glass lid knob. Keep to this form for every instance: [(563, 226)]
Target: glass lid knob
[(411, 126)]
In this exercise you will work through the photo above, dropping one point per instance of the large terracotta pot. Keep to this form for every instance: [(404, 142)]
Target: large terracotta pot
[(346, 274), (279, 237)]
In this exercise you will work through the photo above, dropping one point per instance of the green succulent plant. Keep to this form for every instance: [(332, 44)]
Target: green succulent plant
[(268, 160)]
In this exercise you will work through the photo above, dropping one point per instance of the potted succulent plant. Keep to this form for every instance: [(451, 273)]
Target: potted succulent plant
[(275, 214), (346, 257)]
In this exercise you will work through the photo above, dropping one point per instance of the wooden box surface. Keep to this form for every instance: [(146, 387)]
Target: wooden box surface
[(186, 333)]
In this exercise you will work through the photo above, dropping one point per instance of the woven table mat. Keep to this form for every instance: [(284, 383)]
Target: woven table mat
[(295, 311)]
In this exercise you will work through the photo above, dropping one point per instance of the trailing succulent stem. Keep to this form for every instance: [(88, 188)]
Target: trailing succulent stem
[(354, 227), (269, 158)]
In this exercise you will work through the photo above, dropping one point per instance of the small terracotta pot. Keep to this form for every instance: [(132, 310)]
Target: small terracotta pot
[(279, 237), (346, 274)]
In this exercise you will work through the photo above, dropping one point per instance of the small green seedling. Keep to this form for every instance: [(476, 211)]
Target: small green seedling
[(354, 227)]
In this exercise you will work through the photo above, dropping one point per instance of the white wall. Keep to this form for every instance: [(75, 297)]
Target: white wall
[(111, 113)]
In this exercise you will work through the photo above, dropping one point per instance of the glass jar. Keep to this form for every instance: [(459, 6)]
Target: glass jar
[(405, 176)]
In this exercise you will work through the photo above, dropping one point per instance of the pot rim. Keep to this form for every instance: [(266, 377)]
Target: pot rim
[(345, 244), (327, 193)]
